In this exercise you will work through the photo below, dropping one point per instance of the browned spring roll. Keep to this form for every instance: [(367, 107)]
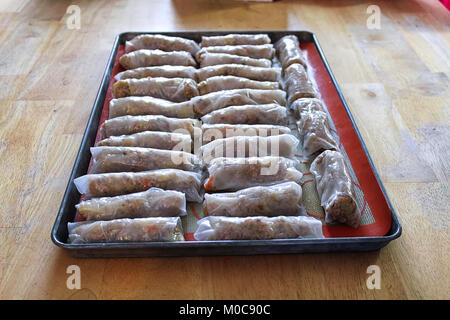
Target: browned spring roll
[(157, 71), (231, 82)]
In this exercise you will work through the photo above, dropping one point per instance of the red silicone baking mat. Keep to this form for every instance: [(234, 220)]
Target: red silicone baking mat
[(376, 215)]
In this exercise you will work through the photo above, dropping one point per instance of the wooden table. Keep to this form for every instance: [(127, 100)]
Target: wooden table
[(395, 79)]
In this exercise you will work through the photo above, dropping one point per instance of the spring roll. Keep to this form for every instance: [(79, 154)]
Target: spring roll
[(114, 184), (221, 99), (156, 72), (150, 139), (231, 82), (174, 89), (133, 124), (235, 40), (263, 51), (258, 228), (283, 145), (134, 159), (149, 58), (307, 105), (289, 52), (249, 114), (210, 132), (298, 84), (137, 106), (280, 199), (238, 70), (335, 188), (154, 202), (315, 131), (126, 230), (232, 174), (158, 41), (207, 59)]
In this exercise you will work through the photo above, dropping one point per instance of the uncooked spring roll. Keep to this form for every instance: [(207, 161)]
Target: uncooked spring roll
[(307, 104), (221, 99), (298, 84), (151, 139), (220, 83), (263, 51), (249, 114), (235, 39), (118, 183), (133, 124), (149, 58), (211, 132), (157, 71), (280, 199), (136, 106), (258, 228), (239, 173), (283, 145), (162, 42), (206, 59), (127, 230), (154, 202), (238, 70), (335, 188), (315, 132), (289, 52), (134, 159), (172, 89)]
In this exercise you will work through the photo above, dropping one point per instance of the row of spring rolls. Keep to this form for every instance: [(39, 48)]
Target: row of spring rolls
[(333, 181), (126, 136)]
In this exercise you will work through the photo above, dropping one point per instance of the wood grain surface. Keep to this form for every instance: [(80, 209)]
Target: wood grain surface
[(395, 79)]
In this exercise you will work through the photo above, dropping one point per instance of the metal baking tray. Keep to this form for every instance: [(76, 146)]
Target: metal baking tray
[(71, 197)]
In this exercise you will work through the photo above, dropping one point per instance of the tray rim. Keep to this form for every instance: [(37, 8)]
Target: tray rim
[(146, 248)]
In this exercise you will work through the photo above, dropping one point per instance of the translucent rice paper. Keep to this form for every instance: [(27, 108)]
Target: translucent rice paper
[(154, 202), (307, 105), (233, 174), (238, 70), (219, 83), (258, 228), (137, 106), (167, 71), (149, 58), (134, 124), (280, 199), (210, 132), (127, 230), (249, 114), (134, 159), (221, 99), (151, 139), (235, 39), (316, 133), (289, 52), (335, 188), (172, 89), (263, 51), (158, 41), (298, 84), (283, 145), (206, 59), (118, 183)]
